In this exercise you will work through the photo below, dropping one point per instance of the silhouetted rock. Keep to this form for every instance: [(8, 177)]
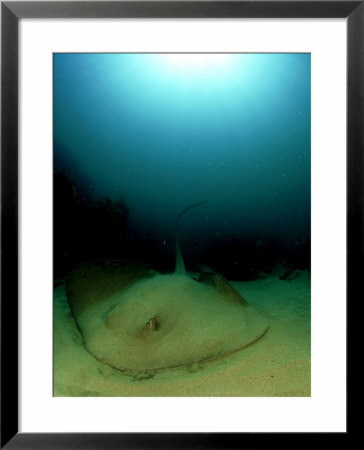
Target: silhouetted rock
[(85, 230)]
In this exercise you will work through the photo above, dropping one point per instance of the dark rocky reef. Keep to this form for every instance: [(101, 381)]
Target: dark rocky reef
[(85, 230)]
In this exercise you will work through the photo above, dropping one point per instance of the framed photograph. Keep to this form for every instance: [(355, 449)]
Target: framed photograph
[(181, 221)]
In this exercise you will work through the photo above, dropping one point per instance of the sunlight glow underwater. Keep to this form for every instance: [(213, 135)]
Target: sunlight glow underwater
[(196, 61), (195, 67)]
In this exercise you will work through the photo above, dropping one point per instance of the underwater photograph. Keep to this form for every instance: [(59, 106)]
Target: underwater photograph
[(182, 224)]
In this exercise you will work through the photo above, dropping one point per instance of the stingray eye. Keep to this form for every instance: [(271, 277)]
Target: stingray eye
[(153, 324)]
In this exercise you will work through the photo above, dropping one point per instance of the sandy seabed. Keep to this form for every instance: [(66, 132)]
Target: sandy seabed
[(277, 365)]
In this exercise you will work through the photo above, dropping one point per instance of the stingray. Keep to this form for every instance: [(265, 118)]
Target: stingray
[(136, 319)]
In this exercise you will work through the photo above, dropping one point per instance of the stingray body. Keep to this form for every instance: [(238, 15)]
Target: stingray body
[(137, 320)]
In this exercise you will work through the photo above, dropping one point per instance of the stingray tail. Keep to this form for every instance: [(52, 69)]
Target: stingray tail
[(180, 265)]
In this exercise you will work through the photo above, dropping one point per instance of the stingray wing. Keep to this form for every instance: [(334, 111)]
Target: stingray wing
[(228, 293)]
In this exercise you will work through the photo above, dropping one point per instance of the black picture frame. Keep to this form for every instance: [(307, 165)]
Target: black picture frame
[(11, 12)]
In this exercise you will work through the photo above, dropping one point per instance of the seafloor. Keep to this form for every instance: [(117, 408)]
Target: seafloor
[(276, 365)]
